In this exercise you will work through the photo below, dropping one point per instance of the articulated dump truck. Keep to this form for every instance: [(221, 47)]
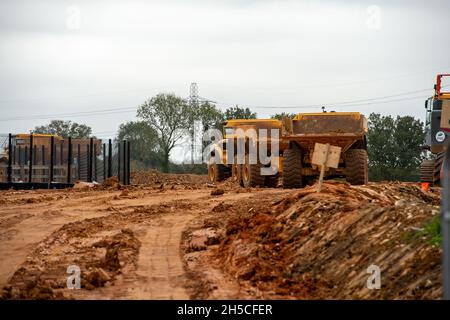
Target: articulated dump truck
[(295, 140)]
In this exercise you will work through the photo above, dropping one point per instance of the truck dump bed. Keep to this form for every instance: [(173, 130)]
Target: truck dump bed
[(336, 128)]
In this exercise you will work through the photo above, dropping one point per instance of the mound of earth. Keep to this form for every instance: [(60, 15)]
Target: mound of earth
[(325, 245), (152, 177)]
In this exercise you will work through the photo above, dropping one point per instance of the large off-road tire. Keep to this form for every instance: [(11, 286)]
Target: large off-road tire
[(292, 168), (251, 174), (271, 181), (356, 166), (216, 172), (427, 171), (236, 172)]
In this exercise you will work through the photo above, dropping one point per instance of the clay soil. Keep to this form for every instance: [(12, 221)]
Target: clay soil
[(178, 237)]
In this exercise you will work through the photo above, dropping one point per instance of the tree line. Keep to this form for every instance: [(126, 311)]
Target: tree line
[(394, 144)]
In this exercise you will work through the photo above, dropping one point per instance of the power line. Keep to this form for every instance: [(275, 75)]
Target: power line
[(75, 114), (338, 104), (342, 103), (382, 102), (78, 96), (366, 101), (323, 85), (352, 83)]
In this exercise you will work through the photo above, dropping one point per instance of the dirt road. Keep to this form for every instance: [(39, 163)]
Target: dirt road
[(172, 239), (43, 232)]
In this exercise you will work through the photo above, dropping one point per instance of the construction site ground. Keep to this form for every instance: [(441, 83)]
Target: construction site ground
[(179, 237)]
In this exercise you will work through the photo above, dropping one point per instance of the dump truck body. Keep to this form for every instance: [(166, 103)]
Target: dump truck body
[(238, 131), (342, 129)]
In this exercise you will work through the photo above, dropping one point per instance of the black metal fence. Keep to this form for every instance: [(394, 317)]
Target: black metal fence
[(36, 160)]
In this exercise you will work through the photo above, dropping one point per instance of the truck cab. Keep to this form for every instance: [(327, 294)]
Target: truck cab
[(437, 129)]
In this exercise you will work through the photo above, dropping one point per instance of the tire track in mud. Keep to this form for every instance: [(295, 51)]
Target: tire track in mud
[(38, 218), (33, 222), (159, 266), (155, 271), (205, 274), (160, 271)]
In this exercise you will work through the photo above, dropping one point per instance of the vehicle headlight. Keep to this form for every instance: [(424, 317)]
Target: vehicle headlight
[(440, 136)]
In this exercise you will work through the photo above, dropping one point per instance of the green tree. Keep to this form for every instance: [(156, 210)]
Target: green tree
[(239, 113), (279, 116), (65, 129), (169, 116), (209, 115), (394, 147), (144, 144)]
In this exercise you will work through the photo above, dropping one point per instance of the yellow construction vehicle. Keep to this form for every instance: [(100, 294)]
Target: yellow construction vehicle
[(297, 140), (437, 127), (222, 169)]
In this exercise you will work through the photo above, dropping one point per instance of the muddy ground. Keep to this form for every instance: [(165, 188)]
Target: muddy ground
[(178, 237)]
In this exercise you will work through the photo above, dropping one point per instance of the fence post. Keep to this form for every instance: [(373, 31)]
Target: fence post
[(61, 153), (10, 158), (43, 155), (128, 162), (79, 162), (19, 157), (30, 160), (104, 162), (52, 158), (119, 153), (94, 161), (91, 158), (445, 226), (69, 161), (109, 158), (124, 162), (88, 156)]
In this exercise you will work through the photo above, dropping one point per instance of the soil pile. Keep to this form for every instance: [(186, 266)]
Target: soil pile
[(324, 245), (154, 177)]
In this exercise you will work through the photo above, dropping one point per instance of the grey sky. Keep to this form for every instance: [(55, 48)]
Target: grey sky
[(251, 53)]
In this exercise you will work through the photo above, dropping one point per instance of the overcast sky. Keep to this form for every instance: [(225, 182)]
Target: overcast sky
[(62, 57)]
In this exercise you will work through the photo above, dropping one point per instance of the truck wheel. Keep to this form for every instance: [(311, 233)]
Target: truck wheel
[(236, 172), (251, 174), (427, 171), (271, 181), (239, 175), (292, 168), (216, 172), (356, 171)]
